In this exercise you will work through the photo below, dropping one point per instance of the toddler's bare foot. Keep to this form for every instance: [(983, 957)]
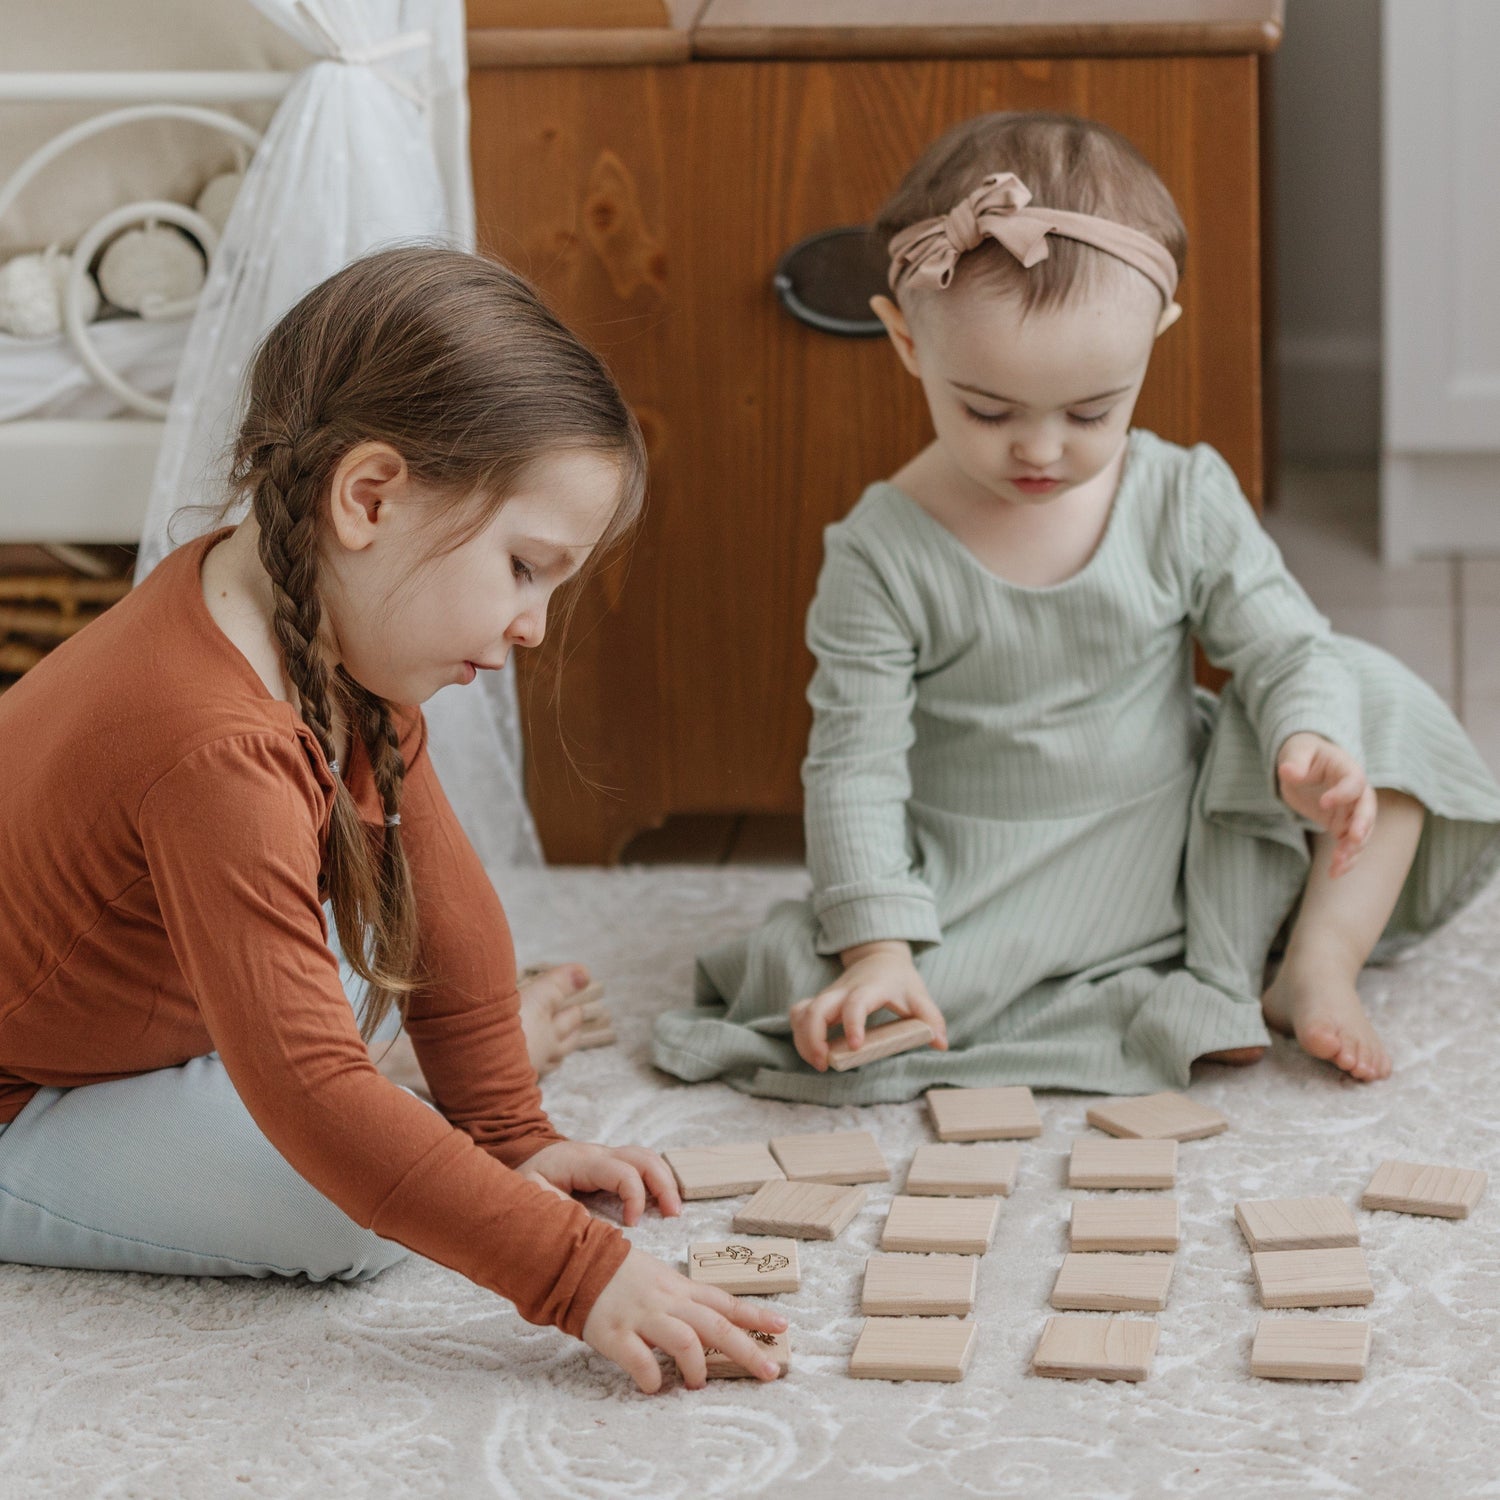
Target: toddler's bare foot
[(1236, 1057), (552, 1012), (1322, 1009)]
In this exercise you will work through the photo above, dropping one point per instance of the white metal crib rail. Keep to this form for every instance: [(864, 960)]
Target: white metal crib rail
[(88, 481)]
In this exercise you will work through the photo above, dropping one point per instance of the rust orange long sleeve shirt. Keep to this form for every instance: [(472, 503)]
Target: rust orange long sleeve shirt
[(163, 828)]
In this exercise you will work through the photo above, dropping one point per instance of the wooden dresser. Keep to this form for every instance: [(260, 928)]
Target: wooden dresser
[(650, 174)]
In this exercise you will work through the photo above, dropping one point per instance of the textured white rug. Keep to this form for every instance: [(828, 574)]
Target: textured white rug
[(420, 1384)]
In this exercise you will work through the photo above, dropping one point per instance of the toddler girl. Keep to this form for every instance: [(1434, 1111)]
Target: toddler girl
[(428, 455), (1024, 824)]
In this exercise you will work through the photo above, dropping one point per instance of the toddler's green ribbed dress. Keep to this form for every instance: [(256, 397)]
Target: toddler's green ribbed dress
[(1087, 853)]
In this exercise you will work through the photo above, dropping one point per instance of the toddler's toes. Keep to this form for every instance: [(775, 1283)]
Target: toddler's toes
[(1323, 1040), (552, 1013)]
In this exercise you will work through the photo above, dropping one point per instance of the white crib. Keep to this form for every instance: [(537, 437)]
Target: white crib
[(81, 471)]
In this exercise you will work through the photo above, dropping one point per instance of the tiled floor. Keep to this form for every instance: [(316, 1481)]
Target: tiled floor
[(1441, 616)]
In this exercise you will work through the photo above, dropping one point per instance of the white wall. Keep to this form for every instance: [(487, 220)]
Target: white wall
[(1326, 123)]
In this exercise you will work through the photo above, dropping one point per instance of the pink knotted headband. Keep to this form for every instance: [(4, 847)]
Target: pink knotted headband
[(926, 254)]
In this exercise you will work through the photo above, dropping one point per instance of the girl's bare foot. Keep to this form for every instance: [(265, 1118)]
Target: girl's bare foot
[(554, 1005), (1322, 1009)]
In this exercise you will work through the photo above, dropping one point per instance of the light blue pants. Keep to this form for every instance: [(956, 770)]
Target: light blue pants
[(167, 1173)]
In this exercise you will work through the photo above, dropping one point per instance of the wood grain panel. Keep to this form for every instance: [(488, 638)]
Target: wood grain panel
[(651, 205)]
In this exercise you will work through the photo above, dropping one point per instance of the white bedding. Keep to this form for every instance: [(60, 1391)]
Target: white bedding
[(46, 378)]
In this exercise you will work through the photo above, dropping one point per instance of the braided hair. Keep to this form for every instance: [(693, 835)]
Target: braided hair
[(456, 363)]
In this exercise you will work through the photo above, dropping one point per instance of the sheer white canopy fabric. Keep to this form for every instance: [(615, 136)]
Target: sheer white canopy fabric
[(368, 148)]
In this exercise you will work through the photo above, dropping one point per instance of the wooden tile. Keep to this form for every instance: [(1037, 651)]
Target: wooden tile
[(1313, 1278), (1296, 1223), (1098, 1163), (962, 1226), (746, 1266), (963, 1171), (1096, 1348), (1157, 1117), (722, 1171), (913, 1349), (803, 1210), (983, 1114), (1113, 1283), (880, 1041), (1310, 1349), (1404, 1187), (845, 1156), (1124, 1224), (919, 1285), (777, 1345)]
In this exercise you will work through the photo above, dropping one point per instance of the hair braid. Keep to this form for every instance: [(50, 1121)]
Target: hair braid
[(285, 508), (396, 939)]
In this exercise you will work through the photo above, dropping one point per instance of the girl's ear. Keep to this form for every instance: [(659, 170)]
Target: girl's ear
[(1169, 316), (365, 479), (900, 333)]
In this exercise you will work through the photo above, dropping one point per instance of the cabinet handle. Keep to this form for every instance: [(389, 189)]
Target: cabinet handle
[(827, 280)]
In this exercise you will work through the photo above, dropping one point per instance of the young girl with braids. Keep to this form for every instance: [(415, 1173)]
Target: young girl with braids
[(428, 454), (1023, 823)]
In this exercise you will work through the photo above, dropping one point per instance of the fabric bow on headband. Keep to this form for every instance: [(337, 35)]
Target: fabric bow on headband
[(927, 254)]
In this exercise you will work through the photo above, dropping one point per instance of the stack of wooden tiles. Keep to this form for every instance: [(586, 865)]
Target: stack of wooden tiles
[(1115, 1263), (919, 1291)]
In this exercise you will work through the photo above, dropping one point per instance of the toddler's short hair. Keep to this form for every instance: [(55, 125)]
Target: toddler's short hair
[(1067, 163)]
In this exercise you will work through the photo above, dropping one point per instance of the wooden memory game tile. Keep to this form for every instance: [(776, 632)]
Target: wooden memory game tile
[(777, 1345), (1112, 1283), (880, 1041), (1131, 1224), (803, 1210), (1073, 1348), (1313, 1278), (984, 1114), (1310, 1349), (919, 1285), (1296, 1223), (960, 1226), (913, 1349), (1157, 1117), (746, 1266), (1100, 1163), (722, 1171), (843, 1156), (950, 1171), (1405, 1187)]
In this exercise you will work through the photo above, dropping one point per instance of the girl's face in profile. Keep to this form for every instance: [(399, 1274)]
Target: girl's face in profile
[(403, 629), (1029, 407)]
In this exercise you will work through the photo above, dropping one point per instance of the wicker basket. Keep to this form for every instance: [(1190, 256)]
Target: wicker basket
[(40, 610)]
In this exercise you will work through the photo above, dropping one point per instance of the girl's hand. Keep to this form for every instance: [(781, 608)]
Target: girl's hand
[(630, 1172), (877, 976), (1327, 786), (647, 1305)]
